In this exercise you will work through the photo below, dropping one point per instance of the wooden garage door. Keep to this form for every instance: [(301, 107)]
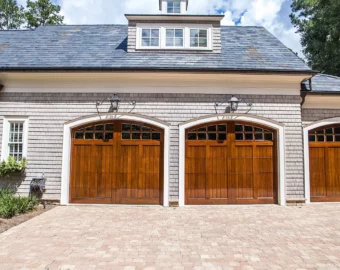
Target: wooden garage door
[(117, 162), (324, 164), (230, 163)]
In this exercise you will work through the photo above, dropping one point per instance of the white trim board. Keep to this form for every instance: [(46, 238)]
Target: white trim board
[(232, 117), (306, 129), (5, 135), (66, 170)]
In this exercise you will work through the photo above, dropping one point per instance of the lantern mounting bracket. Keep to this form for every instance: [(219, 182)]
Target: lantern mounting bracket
[(115, 101)]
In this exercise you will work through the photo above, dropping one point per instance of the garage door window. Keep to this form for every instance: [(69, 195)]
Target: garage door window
[(95, 132), (139, 132), (210, 133), (331, 134), (250, 133)]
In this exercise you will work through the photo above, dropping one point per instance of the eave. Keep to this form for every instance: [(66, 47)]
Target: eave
[(175, 17)]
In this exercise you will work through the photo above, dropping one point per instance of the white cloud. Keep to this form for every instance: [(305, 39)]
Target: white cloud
[(272, 14)]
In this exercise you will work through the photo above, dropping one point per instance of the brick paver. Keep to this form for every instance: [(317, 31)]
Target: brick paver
[(200, 237)]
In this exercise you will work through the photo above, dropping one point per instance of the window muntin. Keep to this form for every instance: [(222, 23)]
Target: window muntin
[(329, 134), (251, 133), (216, 132), (139, 132), (174, 38), (95, 132), (150, 37), (15, 142), (173, 7), (199, 38)]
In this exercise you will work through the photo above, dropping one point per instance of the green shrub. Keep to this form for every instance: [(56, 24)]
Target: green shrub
[(12, 165), (11, 205)]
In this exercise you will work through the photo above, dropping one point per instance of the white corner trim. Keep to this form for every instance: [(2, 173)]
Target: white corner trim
[(306, 129), (5, 135), (65, 177), (233, 117)]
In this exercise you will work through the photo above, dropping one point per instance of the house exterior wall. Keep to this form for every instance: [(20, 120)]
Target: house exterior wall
[(310, 115), (48, 112)]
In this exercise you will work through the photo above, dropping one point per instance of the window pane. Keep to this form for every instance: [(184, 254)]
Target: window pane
[(222, 137), (337, 138), (145, 42), (312, 138), (154, 42), (222, 127), (194, 33), (321, 138), (126, 136), (146, 136), (212, 137), (99, 127), (203, 42), (99, 136), (179, 42), (79, 135), (193, 42), (239, 136), (156, 136), (249, 136), (259, 136), (179, 33), (145, 33), (212, 128), (258, 129), (337, 130), (203, 33), (88, 136), (109, 126), (170, 42), (108, 135), (329, 131), (177, 10), (248, 128), (238, 128), (155, 33), (170, 33), (135, 136), (192, 136), (126, 127), (268, 136), (329, 138), (202, 136), (136, 127)]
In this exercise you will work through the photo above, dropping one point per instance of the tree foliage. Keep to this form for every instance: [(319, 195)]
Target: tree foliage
[(42, 12), (318, 22), (11, 15)]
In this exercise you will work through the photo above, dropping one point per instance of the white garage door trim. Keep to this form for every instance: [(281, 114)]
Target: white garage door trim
[(65, 180), (234, 117), (306, 129)]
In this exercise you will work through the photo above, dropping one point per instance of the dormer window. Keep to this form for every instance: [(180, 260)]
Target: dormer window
[(174, 38), (150, 37), (199, 38), (173, 7)]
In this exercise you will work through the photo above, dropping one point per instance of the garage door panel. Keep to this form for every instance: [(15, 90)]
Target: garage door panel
[(324, 160), (233, 170), (111, 168)]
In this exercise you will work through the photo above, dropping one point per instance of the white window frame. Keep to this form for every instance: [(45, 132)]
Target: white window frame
[(199, 29), (175, 47), (140, 38), (180, 6), (5, 135), (162, 35)]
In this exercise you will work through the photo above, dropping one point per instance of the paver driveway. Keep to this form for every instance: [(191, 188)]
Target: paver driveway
[(235, 237)]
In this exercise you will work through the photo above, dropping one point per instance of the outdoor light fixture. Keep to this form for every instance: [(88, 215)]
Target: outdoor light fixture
[(234, 102), (115, 101)]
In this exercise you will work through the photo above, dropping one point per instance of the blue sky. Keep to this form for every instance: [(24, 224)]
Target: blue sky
[(272, 14)]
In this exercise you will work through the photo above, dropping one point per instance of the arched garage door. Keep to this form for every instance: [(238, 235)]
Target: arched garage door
[(230, 163), (324, 164), (117, 162)]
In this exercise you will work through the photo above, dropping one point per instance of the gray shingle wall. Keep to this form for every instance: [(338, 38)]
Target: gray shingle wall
[(216, 36), (312, 115), (48, 112)]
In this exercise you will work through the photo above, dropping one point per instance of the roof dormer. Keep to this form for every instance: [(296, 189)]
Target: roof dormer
[(174, 7)]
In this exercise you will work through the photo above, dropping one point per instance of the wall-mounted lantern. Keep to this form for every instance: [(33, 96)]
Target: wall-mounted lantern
[(234, 102), (115, 101)]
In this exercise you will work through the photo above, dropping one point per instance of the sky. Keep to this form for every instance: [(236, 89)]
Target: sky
[(272, 14)]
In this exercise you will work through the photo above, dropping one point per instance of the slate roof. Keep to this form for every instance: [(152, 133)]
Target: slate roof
[(104, 47), (323, 83)]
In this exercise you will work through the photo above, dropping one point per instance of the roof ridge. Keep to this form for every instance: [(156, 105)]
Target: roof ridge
[(328, 75)]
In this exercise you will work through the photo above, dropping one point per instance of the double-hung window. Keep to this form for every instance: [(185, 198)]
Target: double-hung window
[(15, 143), (150, 37), (199, 38), (14, 138), (174, 7), (174, 38)]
